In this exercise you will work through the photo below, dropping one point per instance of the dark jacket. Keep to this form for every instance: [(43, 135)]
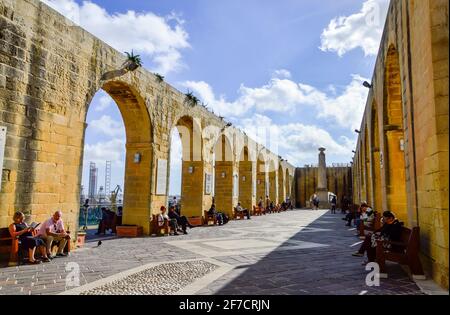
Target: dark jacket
[(212, 211), (174, 215), (392, 231)]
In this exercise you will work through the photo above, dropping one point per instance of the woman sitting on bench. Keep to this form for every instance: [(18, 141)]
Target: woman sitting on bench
[(25, 234), (391, 230), (162, 217)]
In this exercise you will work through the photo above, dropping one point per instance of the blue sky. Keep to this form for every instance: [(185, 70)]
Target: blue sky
[(296, 66)]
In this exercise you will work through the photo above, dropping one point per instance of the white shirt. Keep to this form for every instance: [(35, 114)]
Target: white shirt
[(55, 227), (161, 218)]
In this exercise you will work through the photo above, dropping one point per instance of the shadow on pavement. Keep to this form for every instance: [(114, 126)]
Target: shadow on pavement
[(329, 270)]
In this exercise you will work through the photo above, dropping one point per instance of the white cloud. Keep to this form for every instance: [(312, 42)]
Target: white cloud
[(103, 103), (363, 29), (107, 126), (160, 38), (347, 108), (282, 95), (111, 150), (281, 74), (297, 142)]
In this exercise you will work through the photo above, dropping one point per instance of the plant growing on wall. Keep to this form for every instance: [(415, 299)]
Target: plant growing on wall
[(192, 99), (159, 77), (133, 61), (131, 64)]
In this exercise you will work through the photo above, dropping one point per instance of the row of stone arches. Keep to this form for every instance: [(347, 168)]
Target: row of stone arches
[(237, 168), (401, 161), (380, 158), (46, 103)]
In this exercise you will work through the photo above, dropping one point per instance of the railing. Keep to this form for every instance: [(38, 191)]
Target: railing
[(94, 214)]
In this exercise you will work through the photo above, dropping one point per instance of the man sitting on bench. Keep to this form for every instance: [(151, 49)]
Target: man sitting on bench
[(218, 215), (53, 230), (162, 217), (391, 230), (180, 220), (242, 210)]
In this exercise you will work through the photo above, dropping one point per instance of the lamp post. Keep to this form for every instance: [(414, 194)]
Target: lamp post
[(86, 207), (367, 85)]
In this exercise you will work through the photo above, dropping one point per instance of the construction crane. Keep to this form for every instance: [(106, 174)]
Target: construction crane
[(108, 176), (113, 198)]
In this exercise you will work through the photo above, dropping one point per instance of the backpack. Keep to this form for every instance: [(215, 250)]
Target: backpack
[(225, 218)]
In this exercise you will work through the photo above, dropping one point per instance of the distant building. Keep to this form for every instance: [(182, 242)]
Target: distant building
[(93, 171)]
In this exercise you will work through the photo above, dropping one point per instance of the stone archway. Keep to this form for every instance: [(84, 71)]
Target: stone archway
[(139, 152), (368, 173), (246, 179), (287, 180), (281, 186), (273, 195), (376, 160), (261, 181), (362, 178), (192, 167), (224, 193), (394, 137)]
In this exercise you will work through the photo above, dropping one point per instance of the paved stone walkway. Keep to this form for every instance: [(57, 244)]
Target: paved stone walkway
[(297, 252)]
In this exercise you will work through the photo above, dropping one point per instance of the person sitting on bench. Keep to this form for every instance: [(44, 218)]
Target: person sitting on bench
[(355, 216), (260, 203), (172, 222), (25, 234), (213, 212), (242, 210), (106, 222), (267, 204), (363, 216), (391, 231), (53, 230), (119, 215), (181, 220), (272, 206)]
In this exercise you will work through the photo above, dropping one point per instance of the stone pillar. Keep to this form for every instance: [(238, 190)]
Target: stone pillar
[(322, 189)]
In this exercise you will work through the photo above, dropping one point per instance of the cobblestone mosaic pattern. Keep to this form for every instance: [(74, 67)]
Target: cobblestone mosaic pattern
[(162, 279)]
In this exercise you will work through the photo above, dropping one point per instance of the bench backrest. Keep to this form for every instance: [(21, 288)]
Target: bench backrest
[(377, 221), (411, 238), (4, 233)]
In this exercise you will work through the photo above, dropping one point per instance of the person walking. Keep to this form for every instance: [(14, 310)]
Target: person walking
[(333, 204)]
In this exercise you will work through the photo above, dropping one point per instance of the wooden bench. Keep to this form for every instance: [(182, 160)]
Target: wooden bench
[(376, 224), (160, 230), (109, 221), (407, 253), (278, 209), (209, 218), (239, 215), (11, 246), (257, 211)]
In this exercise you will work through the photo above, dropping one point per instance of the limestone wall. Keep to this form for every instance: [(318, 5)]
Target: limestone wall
[(406, 119), (339, 182)]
